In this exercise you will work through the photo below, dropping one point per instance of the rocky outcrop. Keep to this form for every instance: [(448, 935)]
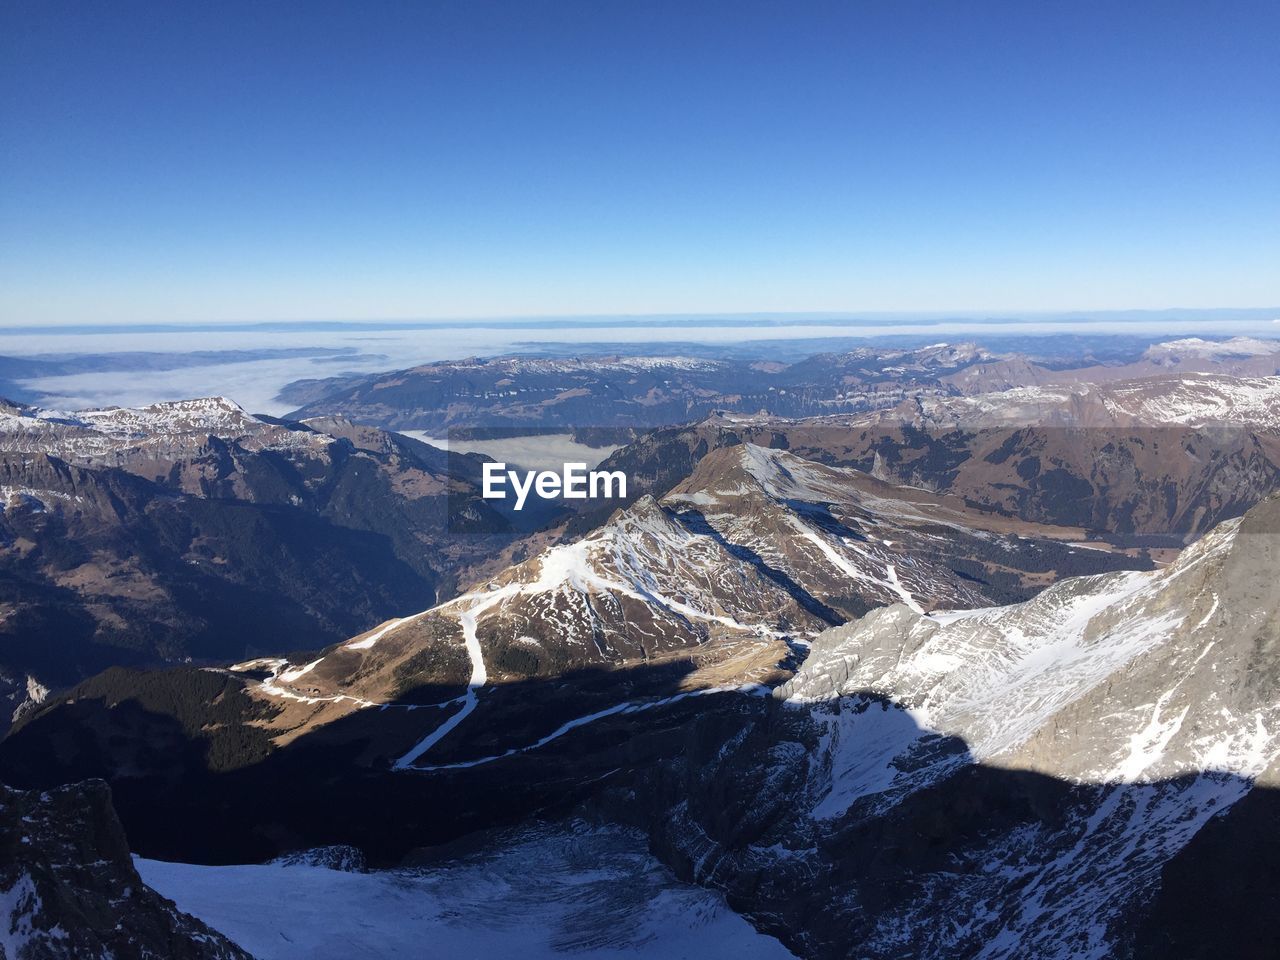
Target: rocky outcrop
[(68, 887)]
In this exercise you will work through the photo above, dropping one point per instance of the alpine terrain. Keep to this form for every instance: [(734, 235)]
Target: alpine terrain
[(952, 678)]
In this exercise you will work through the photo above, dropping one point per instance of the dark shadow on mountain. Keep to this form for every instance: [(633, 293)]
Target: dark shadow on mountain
[(181, 747), (194, 778), (1220, 896)]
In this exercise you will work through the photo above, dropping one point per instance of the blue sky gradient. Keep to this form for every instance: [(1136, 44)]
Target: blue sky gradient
[(170, 162)]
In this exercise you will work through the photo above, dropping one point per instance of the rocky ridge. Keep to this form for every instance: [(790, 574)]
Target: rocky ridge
[(69, 889)]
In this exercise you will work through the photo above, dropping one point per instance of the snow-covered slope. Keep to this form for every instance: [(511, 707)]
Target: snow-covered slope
[(757, 550), (1184, 399), (1174, 352), (1122, 677), (1011, 781), (577, 890)]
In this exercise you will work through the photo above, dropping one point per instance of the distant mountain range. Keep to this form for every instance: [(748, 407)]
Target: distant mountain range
[(641, 392), (1158, 449)]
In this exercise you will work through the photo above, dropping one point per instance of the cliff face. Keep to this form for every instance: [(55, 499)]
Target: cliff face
[(1091, 773), (68, 887)]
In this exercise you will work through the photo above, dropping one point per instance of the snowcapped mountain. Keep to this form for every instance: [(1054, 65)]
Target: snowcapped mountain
[(1002, 782), (117, 436), (641, 588), (1176, 352), (854, 542), (756, 553), (1187, 399), (1033, 686), (998, 781)]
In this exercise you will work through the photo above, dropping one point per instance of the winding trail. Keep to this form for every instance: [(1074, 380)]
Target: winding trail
[(565, 566), (630, 706)]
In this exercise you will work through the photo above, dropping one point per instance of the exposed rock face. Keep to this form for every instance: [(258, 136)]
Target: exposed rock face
[(854, 542), (1006, 782), (68, 887), (342, 857)]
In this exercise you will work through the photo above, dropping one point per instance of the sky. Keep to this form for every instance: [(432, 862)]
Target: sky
[(181, 161)]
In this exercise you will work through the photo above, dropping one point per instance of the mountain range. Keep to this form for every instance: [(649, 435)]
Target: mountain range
[(1034, 768), (976, 670), (630, 393), (194, 530)]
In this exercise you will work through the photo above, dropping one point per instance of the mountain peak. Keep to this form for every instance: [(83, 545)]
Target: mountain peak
[(208, 414), (1060, 683)]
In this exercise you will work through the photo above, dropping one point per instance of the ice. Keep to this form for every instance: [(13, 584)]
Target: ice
[(582, 891)]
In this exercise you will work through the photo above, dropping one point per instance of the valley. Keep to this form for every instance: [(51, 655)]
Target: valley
[(847, 675), (639, 481)]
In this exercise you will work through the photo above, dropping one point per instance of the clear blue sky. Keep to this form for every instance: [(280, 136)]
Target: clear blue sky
[(270, 160)]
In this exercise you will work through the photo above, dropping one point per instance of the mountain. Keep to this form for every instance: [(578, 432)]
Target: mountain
[(517, 391), (195, 530), (1096, 458), (1009, 781), (1045, 778), (717, 588), (642, 589), (69, 889), (635, 392), (853, 542), (755, 553), (1164, 401), (1237, 357), (590, 394)]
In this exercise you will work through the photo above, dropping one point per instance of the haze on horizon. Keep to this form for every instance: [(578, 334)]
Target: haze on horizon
[(250, 162)]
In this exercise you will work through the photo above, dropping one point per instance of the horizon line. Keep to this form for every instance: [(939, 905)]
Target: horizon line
[(757, 319)]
